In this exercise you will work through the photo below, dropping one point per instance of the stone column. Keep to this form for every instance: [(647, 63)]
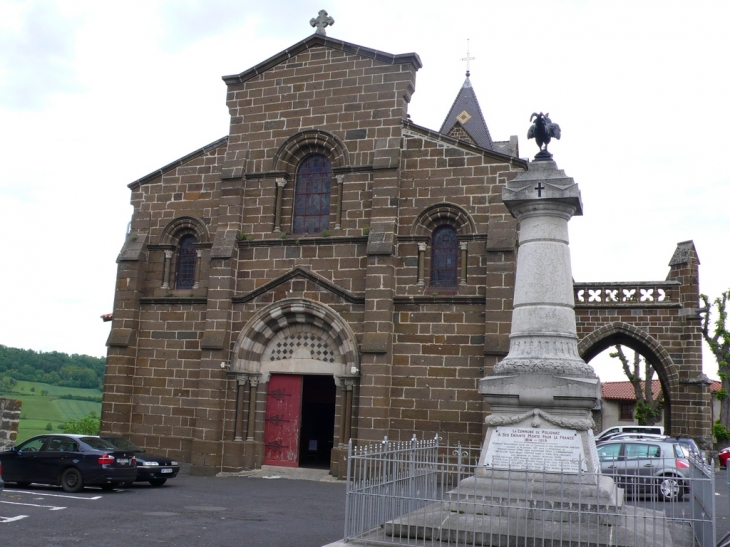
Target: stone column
[(543, 391), (341, 184), (421, 263), (348, 410), (346, 413), (250, 430), (198, 262), (464, 257), (280, 184), (166, 271), (241, 380)]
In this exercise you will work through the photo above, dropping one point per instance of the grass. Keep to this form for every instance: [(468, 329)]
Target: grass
[(38, 410)]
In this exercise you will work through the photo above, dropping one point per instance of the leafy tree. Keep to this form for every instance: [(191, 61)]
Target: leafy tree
[(719, 342), (648, 407), (88, 425), (49, 427)]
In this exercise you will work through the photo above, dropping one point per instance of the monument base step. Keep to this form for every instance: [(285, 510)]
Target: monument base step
[(637, 527)]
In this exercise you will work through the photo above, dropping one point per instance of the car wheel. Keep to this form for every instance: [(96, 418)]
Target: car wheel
[(23, 484), (71, 480), (157, 482), (670, 488)]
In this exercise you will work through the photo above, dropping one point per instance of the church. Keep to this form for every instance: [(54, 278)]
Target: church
[(331, 271)]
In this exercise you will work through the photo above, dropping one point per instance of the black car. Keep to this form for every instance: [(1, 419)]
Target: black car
[(151, 468), (72, 461), (2, 484)]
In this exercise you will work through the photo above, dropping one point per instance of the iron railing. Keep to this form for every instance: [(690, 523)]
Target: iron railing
[(424, 493)]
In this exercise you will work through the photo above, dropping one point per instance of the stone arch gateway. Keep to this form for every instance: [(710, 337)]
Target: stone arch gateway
[(661, 321)]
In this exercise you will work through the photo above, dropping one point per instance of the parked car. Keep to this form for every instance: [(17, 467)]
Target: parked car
[(634, 436), (723, 456), (647, 467), (71, 461), (151, 468), (691, 447), (618, 429)]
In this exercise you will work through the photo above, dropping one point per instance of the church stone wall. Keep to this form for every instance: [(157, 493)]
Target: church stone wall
[(176, 379)]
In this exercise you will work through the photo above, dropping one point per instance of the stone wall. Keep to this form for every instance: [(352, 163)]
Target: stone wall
[(9, 418), (177, 379)]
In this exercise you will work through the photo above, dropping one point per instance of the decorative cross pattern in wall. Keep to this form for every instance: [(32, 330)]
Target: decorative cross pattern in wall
[(643, 294), (302, 342)]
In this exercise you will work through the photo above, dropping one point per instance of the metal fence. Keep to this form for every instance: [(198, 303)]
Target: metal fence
[(424, 493)]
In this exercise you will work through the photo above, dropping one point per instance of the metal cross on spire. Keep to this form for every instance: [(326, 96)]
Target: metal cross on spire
[(323, 20), (467, 58)]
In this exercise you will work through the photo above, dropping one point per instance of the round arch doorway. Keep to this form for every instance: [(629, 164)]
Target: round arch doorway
[(637, 340)]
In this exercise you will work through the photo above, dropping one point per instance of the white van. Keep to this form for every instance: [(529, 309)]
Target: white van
[(618, 429)]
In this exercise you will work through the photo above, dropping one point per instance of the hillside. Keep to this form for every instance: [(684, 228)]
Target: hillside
[(54, 368)]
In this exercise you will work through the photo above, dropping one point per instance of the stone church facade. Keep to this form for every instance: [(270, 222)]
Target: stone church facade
[(331, 270)]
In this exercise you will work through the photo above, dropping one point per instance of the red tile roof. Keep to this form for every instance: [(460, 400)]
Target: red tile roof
[(624, 391)]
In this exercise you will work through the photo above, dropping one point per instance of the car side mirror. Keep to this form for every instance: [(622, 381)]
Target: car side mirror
[(16, 450)]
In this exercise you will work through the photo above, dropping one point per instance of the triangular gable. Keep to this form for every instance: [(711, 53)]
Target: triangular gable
[(315, 278), (474, 149), (467, 112), (179, 162), (317, 40), (459, 132)]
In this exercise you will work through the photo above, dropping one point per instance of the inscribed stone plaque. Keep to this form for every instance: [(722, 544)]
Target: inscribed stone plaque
[(527, 448)]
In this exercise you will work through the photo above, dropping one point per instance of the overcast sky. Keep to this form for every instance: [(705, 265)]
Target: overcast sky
[(94, 95)]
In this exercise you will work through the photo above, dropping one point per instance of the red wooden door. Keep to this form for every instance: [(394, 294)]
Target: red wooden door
[(283, 420)]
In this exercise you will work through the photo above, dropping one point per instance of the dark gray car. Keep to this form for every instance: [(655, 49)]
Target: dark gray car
[(647, 467)]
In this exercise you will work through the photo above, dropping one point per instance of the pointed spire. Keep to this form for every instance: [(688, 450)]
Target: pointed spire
[(465, 119)]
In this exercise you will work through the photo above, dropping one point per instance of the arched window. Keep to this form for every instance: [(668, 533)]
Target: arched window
[(312, 195), (187, 258), (444, 258)]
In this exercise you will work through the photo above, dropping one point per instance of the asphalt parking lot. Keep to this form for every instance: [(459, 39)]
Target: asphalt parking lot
[(201, 511), (187, 511)]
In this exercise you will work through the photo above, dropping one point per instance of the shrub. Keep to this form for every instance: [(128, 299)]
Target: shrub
[(721, 434), (89, 425)]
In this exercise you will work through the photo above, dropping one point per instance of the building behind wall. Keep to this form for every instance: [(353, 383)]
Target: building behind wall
[(328, 270)]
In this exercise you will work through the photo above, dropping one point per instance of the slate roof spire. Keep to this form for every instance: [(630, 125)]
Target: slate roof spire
[(465, 118)]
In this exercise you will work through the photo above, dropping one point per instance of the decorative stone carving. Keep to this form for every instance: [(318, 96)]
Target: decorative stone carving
[(321, 22), (579, 424)]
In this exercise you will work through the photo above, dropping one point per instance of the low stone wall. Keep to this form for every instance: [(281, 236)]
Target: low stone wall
[(9, 417)]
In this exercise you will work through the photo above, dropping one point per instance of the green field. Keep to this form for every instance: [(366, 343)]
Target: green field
[(40, 410)]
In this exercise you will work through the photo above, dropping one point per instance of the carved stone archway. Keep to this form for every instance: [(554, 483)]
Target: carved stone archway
[(632, 337)]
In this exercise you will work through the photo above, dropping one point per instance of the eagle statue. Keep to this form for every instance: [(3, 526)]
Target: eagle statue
[(543, 130)]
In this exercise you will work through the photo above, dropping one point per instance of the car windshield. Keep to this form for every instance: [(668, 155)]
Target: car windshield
[(96, 443), (122, 443)]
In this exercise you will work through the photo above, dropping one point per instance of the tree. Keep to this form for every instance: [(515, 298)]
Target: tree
[(719, 342), (88, 425), (647, 406)]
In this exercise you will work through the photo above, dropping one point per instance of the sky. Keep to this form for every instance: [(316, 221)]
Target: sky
[(94, 95)]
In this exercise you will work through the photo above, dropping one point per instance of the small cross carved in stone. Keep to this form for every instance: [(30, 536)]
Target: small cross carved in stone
[(323, 20), (539, 189)]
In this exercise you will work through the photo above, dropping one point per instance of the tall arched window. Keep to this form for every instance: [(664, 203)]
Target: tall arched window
[(312, 195), (445, 257), (187, 258)]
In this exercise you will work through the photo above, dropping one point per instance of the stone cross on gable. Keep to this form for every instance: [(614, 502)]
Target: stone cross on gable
[(323, 20), (467, 58)]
